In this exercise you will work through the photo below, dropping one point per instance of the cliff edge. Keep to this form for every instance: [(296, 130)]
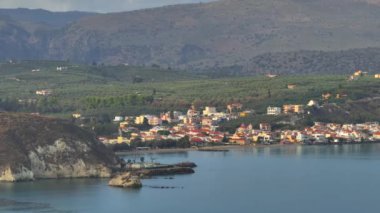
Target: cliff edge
[(35, 147)]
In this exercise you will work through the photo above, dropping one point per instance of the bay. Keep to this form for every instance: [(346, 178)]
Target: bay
[(287, 179)]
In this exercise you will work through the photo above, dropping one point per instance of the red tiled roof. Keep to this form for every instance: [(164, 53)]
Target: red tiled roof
[(196, 140)]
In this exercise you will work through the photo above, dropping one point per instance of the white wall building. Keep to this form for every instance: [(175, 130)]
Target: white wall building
[(209, 111), (273, 110)]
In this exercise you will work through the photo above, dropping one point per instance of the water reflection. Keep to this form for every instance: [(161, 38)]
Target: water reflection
[(359, 151), (17, 206), (298, 179)]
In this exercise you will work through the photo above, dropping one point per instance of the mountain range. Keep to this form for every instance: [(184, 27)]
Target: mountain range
[(237, 36)]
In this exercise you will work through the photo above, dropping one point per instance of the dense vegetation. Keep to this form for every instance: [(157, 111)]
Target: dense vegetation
[(105, 91), (161, 144)]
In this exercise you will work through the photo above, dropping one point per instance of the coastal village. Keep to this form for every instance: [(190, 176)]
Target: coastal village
[(201, 128)]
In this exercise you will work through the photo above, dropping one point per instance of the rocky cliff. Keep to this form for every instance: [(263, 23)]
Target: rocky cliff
[(34, 147)]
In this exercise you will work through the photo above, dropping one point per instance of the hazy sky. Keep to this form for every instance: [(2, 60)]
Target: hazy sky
[(91, 5)]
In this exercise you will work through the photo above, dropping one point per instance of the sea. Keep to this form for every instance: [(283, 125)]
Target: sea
[(278, 179)]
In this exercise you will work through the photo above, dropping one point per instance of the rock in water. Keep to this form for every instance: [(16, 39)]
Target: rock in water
[(35, 147), (125, 180)]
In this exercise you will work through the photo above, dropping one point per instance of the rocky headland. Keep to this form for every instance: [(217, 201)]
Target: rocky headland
[(35, 147), (131, 178)]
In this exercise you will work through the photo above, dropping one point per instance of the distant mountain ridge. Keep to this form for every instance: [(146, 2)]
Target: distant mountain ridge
[(205, 36), (306, 62), (52, 19)]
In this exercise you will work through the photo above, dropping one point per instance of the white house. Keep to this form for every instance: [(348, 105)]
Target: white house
[(118, 118), (209, 111), (273, 110), (313, 103)]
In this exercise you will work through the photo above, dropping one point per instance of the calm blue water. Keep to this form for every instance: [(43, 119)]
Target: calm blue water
[(289, 179)]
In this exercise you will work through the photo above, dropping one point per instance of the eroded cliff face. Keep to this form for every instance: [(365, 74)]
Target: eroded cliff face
[(33, 147)]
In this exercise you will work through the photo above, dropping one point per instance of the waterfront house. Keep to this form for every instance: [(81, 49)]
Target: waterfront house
[(319, 138), (289, 136), (196, 141), (376, 135), (239, 139), (150, 136), (262, 137)]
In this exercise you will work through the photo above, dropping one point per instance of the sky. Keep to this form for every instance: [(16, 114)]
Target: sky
[(91, 5)]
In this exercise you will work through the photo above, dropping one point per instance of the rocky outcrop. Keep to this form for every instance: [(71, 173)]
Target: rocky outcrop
[(125, 180), (186, 164), (165, 171), (34, 147)]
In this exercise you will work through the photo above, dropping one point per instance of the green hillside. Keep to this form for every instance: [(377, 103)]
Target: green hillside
[(126, 90)]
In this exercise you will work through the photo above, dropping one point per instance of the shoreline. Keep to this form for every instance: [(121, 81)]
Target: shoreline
[(223, 148), (205, 149)]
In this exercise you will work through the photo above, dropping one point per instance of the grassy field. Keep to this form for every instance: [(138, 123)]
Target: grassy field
[(134, 90)]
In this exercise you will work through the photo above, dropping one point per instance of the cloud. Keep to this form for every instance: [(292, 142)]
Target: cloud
[(91, 5)]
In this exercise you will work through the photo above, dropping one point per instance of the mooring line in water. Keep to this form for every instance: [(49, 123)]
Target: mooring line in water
[(164, 187)]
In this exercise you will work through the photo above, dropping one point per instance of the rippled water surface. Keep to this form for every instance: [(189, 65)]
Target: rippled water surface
[(288, 179)]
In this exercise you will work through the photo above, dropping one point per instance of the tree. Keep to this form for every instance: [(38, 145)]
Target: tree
[(137, 79), (163, 132), (225, 139)]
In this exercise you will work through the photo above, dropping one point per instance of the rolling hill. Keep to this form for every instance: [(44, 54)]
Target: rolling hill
[(127, 90)]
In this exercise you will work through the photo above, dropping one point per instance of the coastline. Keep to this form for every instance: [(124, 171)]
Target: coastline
[(224, 148), (206, 148)]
